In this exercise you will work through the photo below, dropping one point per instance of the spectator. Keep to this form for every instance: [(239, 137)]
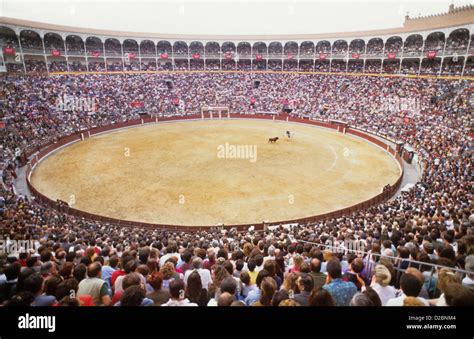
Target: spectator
[(159, 295), (411, 287), (94, 286), (177, 295), (305, 285), (34, 285), (226, 299), (320, 297), (268, 289), (341, 291), (204, 273), (195, 291), (468, 280), (319, 278), (380, 283)]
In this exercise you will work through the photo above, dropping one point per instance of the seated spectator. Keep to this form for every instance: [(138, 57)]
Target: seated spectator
[(195, 291), (411, 287), (468, 280), (252, 270), (131, 279), (270, 267), (228, 285), (445, 277), (239, 265), (108, 270), (21, 299), (373, 296), (254, 295), (159, 295), (305, 285), (9, 286), (230, 269), (186, 257), (279, 296), (354, 273), (341, 291), (205, 275), (169, 274), (416, 272), (95, 286), (361, 299), (320, 297), (246, 286), (67, 288), (298, 262), (34, 285), (130, 267), (458, 296), (226, 299), (319, 278), (134, 296), (178, 295), (268, 289), (380, 284), (290, 284)]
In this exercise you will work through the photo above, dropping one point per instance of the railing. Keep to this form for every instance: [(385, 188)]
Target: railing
[(47, 149), (398, 262)]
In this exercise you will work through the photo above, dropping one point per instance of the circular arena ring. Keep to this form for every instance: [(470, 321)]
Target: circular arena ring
[(190, 173)]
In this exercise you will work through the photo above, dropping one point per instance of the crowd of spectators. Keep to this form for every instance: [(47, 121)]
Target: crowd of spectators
[(457, 43), (413, 45), (31, 42), (112, 47), (435, 42), (244, 49), (53, 42), (35, 66), (375, 47), (74, 45), (394, 45), (308, 264), (58, 66)]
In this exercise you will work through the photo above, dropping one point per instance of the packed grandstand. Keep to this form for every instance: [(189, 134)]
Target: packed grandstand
[(416, 249)]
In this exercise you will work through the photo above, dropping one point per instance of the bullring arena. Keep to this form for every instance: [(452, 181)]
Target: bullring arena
[(171, 173), (192, 169)]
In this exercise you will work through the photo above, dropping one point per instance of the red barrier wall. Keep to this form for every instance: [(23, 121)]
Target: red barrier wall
[(48, 148)]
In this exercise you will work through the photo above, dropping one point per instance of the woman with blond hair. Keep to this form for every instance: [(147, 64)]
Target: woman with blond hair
[(267, 290), (297, 263), (445, 277), (290, 284), (169, 273), (412, 301), (381, 284)]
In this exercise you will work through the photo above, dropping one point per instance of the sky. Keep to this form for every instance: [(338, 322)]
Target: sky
[(225, 17)]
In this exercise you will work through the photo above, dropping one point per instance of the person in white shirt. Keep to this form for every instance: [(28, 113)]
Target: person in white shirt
[(205, 274), (271, 254), (171, 251), (411, 287), (468, 280), (380, 283), (177, 295)]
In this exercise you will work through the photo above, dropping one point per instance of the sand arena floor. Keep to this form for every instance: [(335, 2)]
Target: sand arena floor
[(172, 173)]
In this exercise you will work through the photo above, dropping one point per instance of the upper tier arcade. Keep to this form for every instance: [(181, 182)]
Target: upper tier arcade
[(438, 45)]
